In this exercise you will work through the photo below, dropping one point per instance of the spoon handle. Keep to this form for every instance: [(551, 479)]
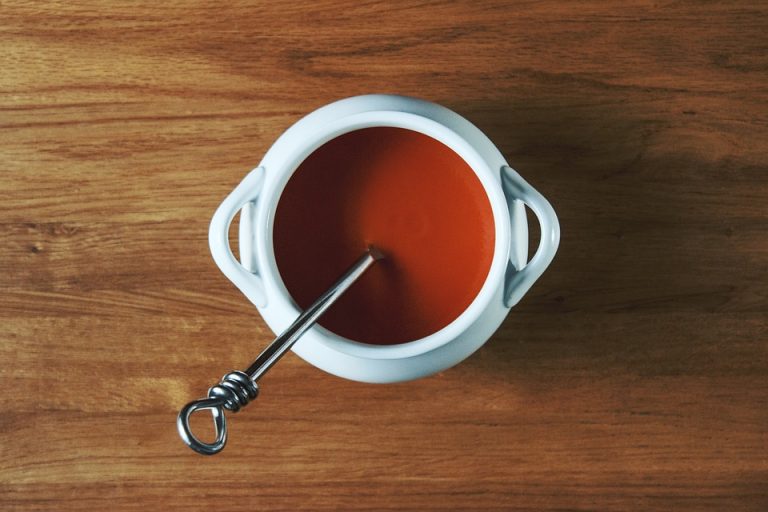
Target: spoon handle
[(236, 389)]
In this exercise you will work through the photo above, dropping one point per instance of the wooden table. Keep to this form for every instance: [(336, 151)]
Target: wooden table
[(634, 376)]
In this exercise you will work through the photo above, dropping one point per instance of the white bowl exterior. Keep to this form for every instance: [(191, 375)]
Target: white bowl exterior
[(393, 363)]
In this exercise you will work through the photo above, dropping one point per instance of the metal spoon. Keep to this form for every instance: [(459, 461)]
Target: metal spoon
[(236, 389)]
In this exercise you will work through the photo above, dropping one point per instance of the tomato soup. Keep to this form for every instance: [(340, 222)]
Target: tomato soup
[(413, 198)]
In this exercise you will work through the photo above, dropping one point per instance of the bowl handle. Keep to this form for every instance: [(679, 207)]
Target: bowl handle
[(518, 281), (247, 281)]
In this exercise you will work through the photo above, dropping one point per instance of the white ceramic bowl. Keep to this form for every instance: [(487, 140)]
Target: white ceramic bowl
[(509, 278)]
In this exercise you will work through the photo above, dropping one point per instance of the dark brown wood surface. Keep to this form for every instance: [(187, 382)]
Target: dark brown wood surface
[(634, 376)]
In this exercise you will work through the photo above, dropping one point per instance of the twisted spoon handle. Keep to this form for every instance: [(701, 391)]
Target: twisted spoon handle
[(236, 389)]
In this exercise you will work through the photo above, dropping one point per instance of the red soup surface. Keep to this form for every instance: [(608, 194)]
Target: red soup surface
[(413, 198)]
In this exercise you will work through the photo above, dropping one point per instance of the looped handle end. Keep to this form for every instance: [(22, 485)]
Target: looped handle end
[(235, 390), (216, 406)]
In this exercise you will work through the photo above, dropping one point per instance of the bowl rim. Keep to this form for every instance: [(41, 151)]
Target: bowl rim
[(306, 136)]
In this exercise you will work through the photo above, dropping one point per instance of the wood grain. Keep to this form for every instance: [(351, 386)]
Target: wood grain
[(634, 376)]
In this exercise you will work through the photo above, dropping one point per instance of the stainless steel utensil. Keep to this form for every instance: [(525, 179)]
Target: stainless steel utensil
[(237, 388)]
